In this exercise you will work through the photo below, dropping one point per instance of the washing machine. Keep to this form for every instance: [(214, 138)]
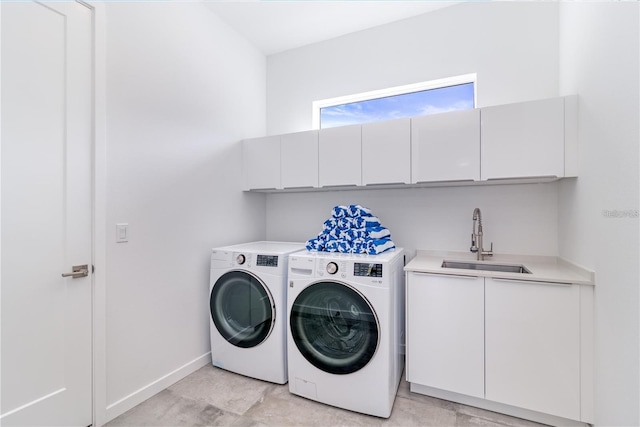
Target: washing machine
[(247, 301), (346, 329)]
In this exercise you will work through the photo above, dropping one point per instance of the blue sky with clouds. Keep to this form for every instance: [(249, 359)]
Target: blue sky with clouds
[(459, 97)]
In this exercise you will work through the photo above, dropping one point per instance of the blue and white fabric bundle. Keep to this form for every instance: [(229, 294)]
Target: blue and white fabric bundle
[(352, 229)]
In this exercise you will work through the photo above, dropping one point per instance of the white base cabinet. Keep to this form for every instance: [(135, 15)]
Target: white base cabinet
[(445, 332), (511, 342), (532, 336)]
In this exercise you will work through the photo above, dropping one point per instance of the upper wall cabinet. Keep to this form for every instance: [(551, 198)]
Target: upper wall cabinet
[(299, 159), (528, 139), (446, 147), (523, 142), (339, 156), (386, 152), (261, 163)]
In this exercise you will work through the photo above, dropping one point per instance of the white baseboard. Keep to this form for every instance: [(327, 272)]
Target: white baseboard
[(139, 396), (502, 408)]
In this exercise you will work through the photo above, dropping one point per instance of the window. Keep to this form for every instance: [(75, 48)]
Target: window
[(436, 96)]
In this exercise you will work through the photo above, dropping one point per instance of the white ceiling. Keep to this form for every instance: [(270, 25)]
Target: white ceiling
[(276, 26)]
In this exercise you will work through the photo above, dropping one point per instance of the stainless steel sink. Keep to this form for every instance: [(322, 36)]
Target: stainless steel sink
[(470, 265)]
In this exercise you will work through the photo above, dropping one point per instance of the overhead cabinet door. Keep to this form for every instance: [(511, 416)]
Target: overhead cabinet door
[(386, 152), (340, 156), (523, 140), (446, 147), (299, 159), (261, 162)]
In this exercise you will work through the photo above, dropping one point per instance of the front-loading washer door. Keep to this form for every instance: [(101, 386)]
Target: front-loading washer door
[(334, 327), (242, 309)]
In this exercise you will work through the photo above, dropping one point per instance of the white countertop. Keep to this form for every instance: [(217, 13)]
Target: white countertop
[(542, 268)]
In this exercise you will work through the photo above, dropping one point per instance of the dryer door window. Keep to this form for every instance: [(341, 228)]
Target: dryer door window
[(334, 327), (242, 309)]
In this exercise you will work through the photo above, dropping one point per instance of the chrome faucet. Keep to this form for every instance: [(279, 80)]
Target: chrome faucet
[(476, 237)]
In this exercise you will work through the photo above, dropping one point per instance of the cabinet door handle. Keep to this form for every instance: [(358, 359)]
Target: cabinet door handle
[(532, 282), (524, 177), (445, 181), (464, 276), (340, 185), (383, 184)]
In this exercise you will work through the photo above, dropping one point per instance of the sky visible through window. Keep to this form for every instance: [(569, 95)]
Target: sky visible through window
[(431, 101)]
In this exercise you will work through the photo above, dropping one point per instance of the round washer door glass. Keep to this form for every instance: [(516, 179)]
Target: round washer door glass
[(334, 327), (242, 309)]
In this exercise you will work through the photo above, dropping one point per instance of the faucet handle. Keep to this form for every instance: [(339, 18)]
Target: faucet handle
[(490, 251)]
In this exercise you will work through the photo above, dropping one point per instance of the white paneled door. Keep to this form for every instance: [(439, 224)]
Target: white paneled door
[(46, 213)]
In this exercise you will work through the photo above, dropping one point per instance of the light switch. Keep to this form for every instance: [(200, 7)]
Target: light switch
[(122, 233)]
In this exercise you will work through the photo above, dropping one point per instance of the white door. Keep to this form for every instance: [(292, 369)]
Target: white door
[(46, 213), (532, 350), (445, 332)]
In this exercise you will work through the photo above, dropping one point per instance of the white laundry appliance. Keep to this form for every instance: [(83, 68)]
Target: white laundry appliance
[(346, 329), (247, 301)]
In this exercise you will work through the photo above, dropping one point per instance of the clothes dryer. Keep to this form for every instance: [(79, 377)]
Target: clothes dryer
[(346, 329), (247, 305)]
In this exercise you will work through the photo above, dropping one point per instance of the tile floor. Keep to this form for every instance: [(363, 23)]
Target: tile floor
[(215, 397)]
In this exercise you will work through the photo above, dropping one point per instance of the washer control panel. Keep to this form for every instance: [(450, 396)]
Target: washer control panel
[(367, 269)]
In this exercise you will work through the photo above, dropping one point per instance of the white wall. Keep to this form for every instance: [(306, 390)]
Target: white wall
[(182, 90), (519, 219), (514, 49), (512, 46), (600, 53)]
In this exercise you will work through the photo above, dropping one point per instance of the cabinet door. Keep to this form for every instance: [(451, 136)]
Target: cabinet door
[(299, 159), (446, 147), (445, 332), (261, 163), (386, 152), (533, 346), (523, 140), (340, 154)]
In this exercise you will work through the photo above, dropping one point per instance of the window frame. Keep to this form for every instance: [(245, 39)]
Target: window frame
[(393, 91)]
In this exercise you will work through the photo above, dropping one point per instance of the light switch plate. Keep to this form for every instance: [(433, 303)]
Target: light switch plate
[(122, 233)]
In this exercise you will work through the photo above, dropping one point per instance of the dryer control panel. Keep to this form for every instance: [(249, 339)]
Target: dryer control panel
[(267, 260)]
